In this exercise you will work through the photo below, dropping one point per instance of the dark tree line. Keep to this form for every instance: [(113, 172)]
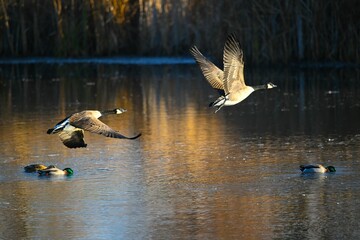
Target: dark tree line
[(271, 31)]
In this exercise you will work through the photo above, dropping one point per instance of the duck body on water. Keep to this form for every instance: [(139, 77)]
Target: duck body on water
[(34, 167), (316, 168), (54, 171)]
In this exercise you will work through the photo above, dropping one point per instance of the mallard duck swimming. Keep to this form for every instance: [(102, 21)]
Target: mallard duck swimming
[(230, 83), (54, 171), (71, 129), (316, 168), (35, 167)]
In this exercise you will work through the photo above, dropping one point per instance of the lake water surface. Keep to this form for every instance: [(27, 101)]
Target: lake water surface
[(192, 174)]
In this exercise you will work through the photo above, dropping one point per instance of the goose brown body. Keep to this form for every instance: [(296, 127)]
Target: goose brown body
[(230, 83), (71, 129)]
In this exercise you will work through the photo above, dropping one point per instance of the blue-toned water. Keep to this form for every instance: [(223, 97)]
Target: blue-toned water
[(192, 174)]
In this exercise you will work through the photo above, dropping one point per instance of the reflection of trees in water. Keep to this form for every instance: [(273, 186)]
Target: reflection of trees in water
[(312, 101), (309, 101), (95, 85)]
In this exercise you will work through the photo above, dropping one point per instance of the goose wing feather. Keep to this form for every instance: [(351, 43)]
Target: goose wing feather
[(72, 137), (94, 125), (233, 66), (211, 72)]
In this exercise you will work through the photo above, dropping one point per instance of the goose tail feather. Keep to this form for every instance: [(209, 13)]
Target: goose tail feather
[(135, 137)]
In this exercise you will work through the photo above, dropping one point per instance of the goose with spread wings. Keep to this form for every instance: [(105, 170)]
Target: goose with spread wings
[(230, 83), (71, 129)]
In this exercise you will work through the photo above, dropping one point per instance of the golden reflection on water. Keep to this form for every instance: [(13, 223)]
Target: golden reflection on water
[(191, 174)]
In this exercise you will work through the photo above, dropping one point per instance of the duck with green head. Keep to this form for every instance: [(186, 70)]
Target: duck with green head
[(316, 168), (54, 171)]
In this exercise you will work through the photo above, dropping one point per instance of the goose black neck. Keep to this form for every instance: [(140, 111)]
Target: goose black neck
[(107, 112), (259, 87)]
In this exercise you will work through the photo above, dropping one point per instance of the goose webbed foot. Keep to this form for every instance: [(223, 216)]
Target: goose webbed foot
[(218, 108)]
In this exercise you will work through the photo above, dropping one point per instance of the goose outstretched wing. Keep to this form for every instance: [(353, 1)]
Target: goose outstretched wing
[(94, 125), (233, 65), (211, 72)]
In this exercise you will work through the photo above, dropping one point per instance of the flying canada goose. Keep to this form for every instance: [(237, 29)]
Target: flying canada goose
[(316, 168), (230, 83), (71, 129), (35, 167), (54, 171)]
